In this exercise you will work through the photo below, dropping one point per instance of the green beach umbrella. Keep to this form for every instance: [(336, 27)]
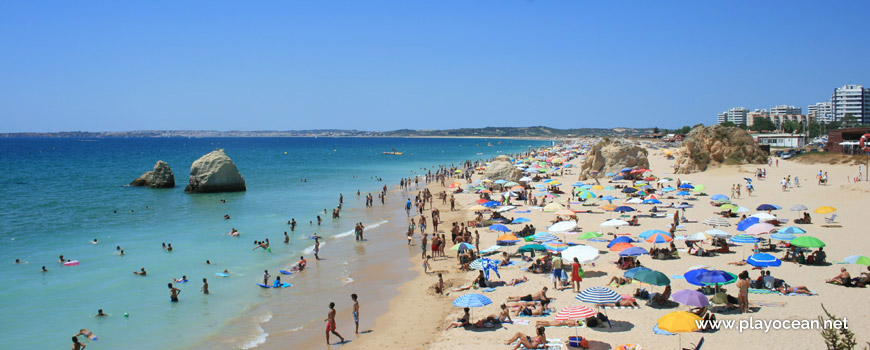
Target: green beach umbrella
[(728, 206), (857, 260), (589, 235), (699, 188), (652, 277), (807, 242), (532, 247)]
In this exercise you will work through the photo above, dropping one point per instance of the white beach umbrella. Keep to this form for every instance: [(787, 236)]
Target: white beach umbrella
[(584, 253), (634, 200), (718, 233), (799, 207), (700, 236), (505, 208), (562, 226), (613, 223), (716, 221), (764, 216)]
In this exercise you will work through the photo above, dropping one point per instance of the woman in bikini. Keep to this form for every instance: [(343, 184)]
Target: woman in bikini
[(527, 341)]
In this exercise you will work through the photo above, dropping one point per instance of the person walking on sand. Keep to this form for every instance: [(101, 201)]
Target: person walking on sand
[(355, 312), (173, 293), (330, 324)]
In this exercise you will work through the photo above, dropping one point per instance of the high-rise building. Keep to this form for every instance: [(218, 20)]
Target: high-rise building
[(822, 111), (785, 110), (736, 115), (758, 113), (851, 99)]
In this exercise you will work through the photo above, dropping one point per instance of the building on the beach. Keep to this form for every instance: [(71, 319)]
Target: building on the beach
[(736, 115), (799, 118), (758, 113), (780, 140), (821, 111), (845, 140), (851, 99), (785, 110)]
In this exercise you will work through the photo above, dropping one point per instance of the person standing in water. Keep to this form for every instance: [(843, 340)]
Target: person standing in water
[(355, 312), (266, 277), (173, 293), (77, 345), (286, 238), (330, 324), (316, 248), (204, 286)]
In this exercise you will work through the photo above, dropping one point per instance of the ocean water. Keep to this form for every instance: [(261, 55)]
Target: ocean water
[(57, 195)]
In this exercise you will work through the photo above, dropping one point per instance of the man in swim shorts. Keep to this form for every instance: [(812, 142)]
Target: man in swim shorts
[(173, 293), (330, 324), (355, 311)]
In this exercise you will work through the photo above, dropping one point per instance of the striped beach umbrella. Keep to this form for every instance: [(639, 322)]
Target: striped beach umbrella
[(471, 300), (763, 260), (618, 247), (544, 237), (575, 312), (649, 233), (783, 236), (659, 238), (744, 239), (599, 295), (716, 221), (555, 246), (791, 230)]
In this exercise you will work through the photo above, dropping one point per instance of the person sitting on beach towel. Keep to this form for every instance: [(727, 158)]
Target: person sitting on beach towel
[(462, 321), (528, 342), (843, 278), (661, 298), (537, 309), (817, 257), (505, 259)]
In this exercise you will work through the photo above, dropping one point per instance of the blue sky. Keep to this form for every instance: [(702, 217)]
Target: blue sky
[(383, 65)]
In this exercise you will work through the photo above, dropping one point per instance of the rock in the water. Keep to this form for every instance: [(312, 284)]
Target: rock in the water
[(611, 156), (706, 146), (160, 177), (502, 169), (215, 172)]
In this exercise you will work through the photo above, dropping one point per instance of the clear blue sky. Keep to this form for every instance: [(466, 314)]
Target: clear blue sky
[(383, 65)]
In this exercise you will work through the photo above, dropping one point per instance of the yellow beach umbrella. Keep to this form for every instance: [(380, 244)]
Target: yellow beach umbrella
[(597, 187), (609, 207), (508, 237), (552, 207), (679, 322), (824, 210)]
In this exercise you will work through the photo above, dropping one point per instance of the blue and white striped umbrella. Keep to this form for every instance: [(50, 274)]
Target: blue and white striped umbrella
[(485, 265), (471, 300), (783, 236), (792, 230), (599, 295), (743, 239), (545, 237)]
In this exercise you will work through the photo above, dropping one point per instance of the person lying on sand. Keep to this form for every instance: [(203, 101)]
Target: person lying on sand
[(797, 290), (619, 280), (538, 296), (536, 310), (561, 323), (624, 303), (527, 341), (462, 321)]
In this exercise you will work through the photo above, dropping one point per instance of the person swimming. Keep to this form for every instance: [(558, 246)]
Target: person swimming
[(88, 334), (180, 280), (100, 313), (141, 272), (94, 242)]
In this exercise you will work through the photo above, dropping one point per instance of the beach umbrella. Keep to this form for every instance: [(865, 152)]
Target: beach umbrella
[(500, 182), (686, 186), (609, 188), (520, 220), (576, 312), (763, 216), (807, 242), (668, 189), (744, 239), (511, 184), (634, 200), (567, 212), (589, 235), (857, 259), (490, 204), (799, 207), (763, 260), (632, 271), (625, 170), (485, 265), (716, 222), (629, 190), (740, 210), (484, 191), (824, 210), (584, 253), (633, 251), (462, 246), (562, 226), (766, 207), (620, 239), (690, 297), (659, 238), (597, 187), (652, 201), (699, 236), (620, 247), (649, 233), (471, 300), (525, 179), (728, 206), (482, 200), (555, 246), (713, 276), (679, 322), (746, 223), (599, 296), (544, 237), (608, 207), (505, 208), (623, 209), (683, 193), (613, 223), (652, 277), (719, 197), (518, 188), (760, 229), (783, 236), (507, 239), (532, 247), (586, 195), (715, 232), (455, 184), (791, 230), (664, 180), (499, 227), (552, 207), (691, 277)]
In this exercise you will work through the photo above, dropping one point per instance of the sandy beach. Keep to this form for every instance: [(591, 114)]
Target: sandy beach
[(417, 317)]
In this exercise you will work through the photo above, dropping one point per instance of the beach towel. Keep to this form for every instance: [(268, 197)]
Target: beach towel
[(597, 240), (794, 294), (522, 211), (767, 304), (620, 307), (520, 322), (488, 290), (762, 291), (491, 249)]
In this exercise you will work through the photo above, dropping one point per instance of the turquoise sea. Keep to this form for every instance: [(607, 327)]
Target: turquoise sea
[(58, 195)]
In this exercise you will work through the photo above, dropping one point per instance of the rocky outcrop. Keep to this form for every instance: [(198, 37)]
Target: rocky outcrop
[(215, 172), (610, 156), (502, 169), (160, 177), (707, 146)]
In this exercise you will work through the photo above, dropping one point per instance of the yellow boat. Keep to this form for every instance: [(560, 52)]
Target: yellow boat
[(394, 153)]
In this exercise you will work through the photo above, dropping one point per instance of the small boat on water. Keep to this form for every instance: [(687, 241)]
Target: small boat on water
[(394, 153)]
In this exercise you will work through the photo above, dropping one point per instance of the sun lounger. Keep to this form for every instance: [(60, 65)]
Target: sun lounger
[(697, 346), (830, 220)]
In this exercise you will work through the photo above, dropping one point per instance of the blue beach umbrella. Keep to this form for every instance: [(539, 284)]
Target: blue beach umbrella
[(746, 223), (744, 239), (620, 239), (719, 197), (782, 236), (520, 220), (669, 189), (633, 251), (652, 201), (711, 276), (608, 198), (791, 230), (766, 207), (471, 300), (687, 186), (598, 295), (500, 182), (629, 190), (623, 209), (763, 260), (499, 227), (625, 170), (491, 204), (544, 237), (683, 193), (609, 174)]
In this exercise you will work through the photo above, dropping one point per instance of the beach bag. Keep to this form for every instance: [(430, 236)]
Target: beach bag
[(592, 322), (601, 317)]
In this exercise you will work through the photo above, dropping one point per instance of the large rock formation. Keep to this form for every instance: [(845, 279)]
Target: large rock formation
[(706, 146), (502, 169), (160, 177), (610, 156), (215, 172)]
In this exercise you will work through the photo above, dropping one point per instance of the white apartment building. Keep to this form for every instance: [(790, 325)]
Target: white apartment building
[(851, 99), (736, 115), (758, 113), (785, 110), (822, 111)]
